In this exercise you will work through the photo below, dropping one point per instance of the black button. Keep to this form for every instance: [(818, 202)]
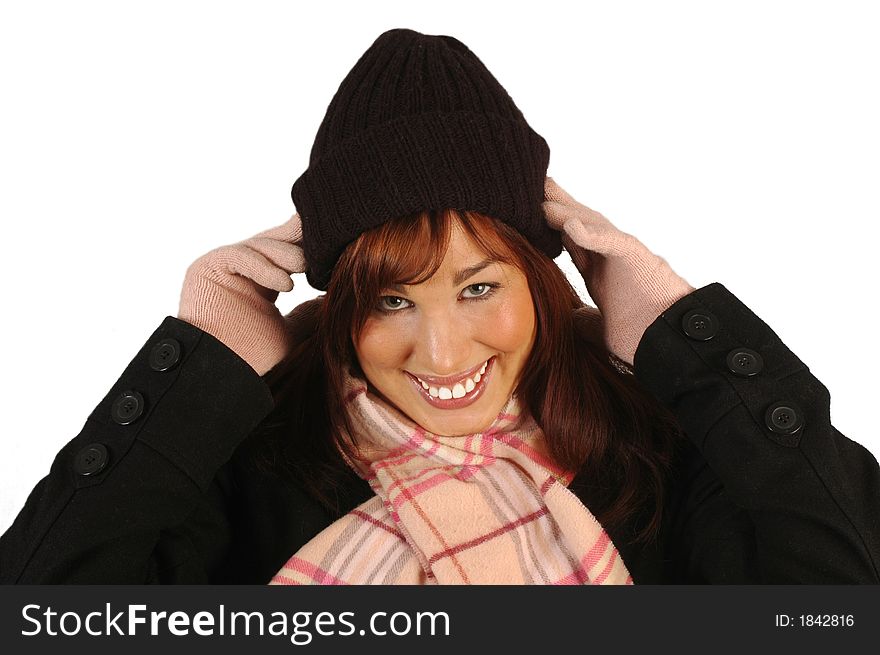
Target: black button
[(744, 362), (91, 459), (127, 408), (784, 418), (699, 324), (165, 354)]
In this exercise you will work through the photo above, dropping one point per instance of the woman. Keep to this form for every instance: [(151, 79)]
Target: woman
[(450, 411)]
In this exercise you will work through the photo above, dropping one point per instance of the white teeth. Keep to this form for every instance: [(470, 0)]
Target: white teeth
[(459, 390)]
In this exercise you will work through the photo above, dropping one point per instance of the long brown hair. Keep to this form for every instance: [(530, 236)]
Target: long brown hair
[(597, 418)]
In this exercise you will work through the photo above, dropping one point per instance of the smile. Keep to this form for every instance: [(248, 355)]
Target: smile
[(461, 394)]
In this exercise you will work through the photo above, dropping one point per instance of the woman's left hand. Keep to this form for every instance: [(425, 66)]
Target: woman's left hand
[(630, 285)]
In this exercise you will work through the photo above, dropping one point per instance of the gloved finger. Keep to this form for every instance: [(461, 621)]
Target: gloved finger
[(555, 193), (250, 263), (554, 215), (591, 230), (579, 256), (589, 236), (287, 256), (289, 231), (560, 212)]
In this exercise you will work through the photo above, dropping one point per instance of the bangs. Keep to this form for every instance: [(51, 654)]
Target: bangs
[(407, 250)]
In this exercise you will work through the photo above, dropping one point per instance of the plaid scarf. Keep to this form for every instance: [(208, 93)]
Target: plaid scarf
[(486, 508)]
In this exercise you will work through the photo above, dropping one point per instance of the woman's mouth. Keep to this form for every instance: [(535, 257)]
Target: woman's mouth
[(467, 390)]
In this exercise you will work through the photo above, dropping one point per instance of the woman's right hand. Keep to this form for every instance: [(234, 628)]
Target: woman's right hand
[(230, 292)]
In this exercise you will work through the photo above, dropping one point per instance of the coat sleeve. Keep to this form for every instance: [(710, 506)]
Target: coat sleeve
[(136, 496), (776, 494)]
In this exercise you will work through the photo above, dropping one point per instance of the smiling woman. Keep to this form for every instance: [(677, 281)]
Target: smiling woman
[(422, 354), (451, 412), (471, 292)]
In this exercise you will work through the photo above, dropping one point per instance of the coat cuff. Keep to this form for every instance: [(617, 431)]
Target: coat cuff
[(186, 395), (709, 350)]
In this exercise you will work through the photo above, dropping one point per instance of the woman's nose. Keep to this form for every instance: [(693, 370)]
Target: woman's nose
[(445, 345)]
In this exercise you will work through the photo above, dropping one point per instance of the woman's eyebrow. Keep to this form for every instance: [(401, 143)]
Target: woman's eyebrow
[(470, 271), (459, 277)]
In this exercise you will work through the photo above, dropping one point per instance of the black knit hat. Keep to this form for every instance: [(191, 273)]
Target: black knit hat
[(419, 123)]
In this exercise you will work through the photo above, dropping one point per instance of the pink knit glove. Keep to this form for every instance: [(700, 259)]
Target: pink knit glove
[(230, 293), (630, 285)]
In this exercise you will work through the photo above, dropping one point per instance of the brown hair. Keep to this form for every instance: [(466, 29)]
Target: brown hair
[(597, 418)]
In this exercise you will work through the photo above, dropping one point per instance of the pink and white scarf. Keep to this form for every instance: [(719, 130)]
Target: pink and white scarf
[(486, 508)]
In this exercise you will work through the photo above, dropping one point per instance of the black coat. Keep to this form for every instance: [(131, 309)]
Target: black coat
[(154, 488)]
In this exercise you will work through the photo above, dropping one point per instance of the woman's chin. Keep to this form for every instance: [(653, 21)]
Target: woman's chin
[(463, 421), (457, 426)]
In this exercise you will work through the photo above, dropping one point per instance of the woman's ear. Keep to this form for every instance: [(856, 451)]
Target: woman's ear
[(590, 317), (302, 320)]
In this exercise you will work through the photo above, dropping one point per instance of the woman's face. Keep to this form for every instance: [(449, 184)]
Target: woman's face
[(444, 331)]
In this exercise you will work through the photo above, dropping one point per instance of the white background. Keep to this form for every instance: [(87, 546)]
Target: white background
[(737, 140)]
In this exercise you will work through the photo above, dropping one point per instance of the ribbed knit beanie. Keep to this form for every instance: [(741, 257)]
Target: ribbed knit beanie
[(418, 124)]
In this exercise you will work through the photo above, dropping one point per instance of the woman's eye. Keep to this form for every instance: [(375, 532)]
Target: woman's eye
[(391, 306), (395, 304), (487, 288)]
